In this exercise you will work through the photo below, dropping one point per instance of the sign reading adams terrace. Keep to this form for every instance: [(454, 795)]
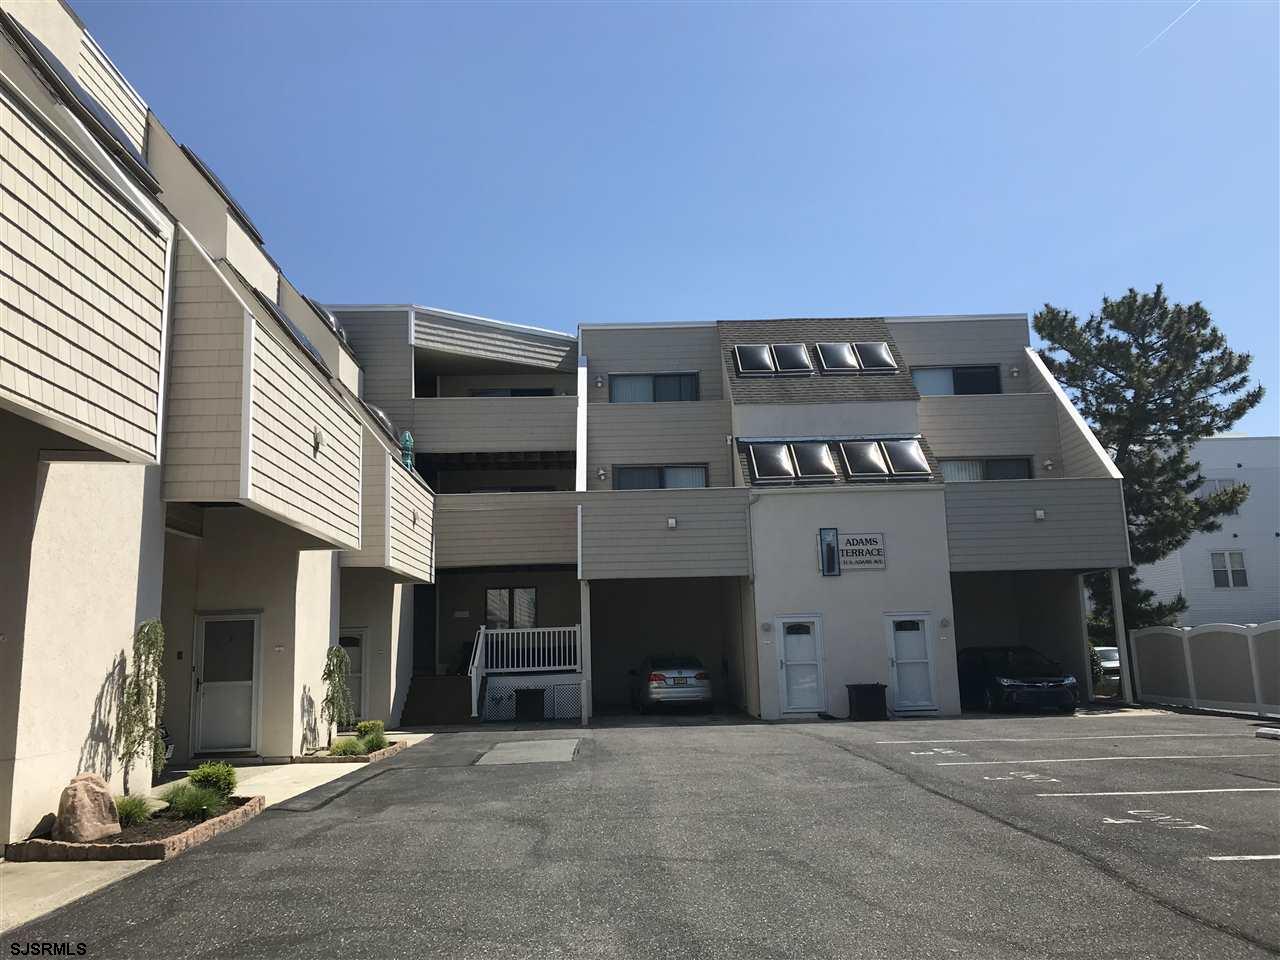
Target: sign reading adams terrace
[(862, 551)]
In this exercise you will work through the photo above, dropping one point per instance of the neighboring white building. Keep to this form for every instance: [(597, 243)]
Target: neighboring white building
[(1233, 574)]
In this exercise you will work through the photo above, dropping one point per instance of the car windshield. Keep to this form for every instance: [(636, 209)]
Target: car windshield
[(1108, 653), (1020, 662), (675, 663)]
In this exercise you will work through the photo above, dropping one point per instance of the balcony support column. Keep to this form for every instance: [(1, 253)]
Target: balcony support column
[(584, 638), (1122, 637)]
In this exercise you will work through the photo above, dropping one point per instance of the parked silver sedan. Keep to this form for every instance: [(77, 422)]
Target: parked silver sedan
[(670, 680)]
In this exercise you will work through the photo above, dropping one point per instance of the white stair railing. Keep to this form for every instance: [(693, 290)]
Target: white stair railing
[(532, 650), (476, 671)]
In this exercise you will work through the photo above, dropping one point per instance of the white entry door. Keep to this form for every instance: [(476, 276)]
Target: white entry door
[(226, 670), (910, 666), (800, 664), (352, 641)]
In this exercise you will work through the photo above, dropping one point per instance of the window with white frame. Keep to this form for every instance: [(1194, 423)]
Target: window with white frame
[(1228, 569)]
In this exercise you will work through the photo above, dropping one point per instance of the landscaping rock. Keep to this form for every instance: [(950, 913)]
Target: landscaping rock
[(86, 810)]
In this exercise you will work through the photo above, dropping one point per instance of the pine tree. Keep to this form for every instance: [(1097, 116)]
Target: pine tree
[(1152, 379)]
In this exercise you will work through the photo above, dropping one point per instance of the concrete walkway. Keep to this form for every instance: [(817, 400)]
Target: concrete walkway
[(29, 890)]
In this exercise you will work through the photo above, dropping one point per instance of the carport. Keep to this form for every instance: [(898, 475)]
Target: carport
[(1041, 609), (704, 617)]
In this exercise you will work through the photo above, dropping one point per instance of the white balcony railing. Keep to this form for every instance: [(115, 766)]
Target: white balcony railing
[(523, 650)]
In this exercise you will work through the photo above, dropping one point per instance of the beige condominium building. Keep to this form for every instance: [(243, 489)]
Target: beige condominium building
[(801, 504), (182, 438)]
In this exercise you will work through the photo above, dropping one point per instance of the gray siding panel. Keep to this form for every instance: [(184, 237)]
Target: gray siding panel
[(494, 424), (380, 339), (100, 77), (625, 534), (995, 425), (81, 293), (373, 506), (1079, 456), (410, 525), (660, 350), (965, 342), (202, 444), (992, 525), (654, 433), (498, 529), (493, 341)]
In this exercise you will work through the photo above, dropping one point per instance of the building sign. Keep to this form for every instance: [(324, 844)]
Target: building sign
[(838, 551), (862, 551)]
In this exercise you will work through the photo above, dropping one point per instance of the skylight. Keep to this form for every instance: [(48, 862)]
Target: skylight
[(814, 461), (875, 355), (838, 358), (771, 461), (754, 358), (792, 358), (862, 458), (906, 457)]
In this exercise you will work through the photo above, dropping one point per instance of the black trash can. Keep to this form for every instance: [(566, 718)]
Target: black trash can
[(867, 701)]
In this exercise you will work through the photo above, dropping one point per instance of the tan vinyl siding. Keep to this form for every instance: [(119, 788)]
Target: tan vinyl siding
[(410, 524), (993, 425), (320, 491), (659, 433), (562, 384), (1080, 458), (203, 430), (373, 506), (81, 294), (991, 525), (500, 529), (380, 339), (625, 534), (529, 348), (494, 424), (964, 342), (658, 350), (100, 77)]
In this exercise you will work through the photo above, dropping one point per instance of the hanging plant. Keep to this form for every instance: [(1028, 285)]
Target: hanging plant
[(336, 709), (142, 702)]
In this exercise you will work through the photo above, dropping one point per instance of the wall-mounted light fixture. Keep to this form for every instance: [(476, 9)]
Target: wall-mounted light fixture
[(671, 523), (602, 473), (1015, 372), (1039, 515), (599, 382), (317, 440), (1048, 464)]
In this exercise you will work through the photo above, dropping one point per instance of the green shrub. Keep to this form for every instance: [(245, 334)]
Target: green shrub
[(215, 775), (367, 727), (374, 740), (188, 802), (347, 747), (132, 810)]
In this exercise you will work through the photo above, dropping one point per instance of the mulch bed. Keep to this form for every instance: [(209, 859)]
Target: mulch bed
[(171, 837), (388, 751)]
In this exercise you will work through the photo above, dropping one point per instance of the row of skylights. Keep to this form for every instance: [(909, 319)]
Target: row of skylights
[(793, 359), (814, 460)]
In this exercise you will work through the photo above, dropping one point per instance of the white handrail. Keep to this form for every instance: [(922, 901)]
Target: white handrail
[(476, 671), (532, 649)]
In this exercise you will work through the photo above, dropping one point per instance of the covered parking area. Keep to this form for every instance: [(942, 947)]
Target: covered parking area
[(704, 617)]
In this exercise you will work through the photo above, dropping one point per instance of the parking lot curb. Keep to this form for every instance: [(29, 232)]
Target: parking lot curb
[(1268, 733)]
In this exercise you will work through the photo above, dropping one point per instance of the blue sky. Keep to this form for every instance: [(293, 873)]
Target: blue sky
[(569, 163)]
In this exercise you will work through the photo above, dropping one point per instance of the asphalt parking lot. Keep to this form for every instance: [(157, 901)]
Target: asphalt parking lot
[(998, 837)]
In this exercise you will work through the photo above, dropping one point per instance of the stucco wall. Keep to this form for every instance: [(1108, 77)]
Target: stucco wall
[(852, 607), (373, 601), (98, 526), (249, 563)]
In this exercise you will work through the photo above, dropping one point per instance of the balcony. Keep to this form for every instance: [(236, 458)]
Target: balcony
[(1036, 524), (494, 424), (503, 529), (251, 418)]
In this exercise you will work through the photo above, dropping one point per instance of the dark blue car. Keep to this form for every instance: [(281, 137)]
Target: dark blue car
[(1007, 678)]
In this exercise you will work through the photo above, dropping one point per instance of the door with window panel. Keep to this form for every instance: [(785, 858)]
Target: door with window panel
[(510, 607), (910, 663)]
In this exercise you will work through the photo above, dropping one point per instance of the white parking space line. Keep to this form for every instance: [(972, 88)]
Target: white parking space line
[(1160, 793), (1118, 736), (1183, 756), (1253, 856)]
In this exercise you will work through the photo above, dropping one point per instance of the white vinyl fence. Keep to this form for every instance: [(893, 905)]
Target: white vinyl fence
[(1217, 666)]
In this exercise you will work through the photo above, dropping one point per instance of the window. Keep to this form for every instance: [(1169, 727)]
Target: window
[(1228, 569), (652, 387), (659, 477), (513, 392), (875, 355), (771, 461), (958, 381), (994, 468), (814, 461), (506, 607), (862, 458), (792, 358), (838, 358), (754, 358), (906, 457)]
